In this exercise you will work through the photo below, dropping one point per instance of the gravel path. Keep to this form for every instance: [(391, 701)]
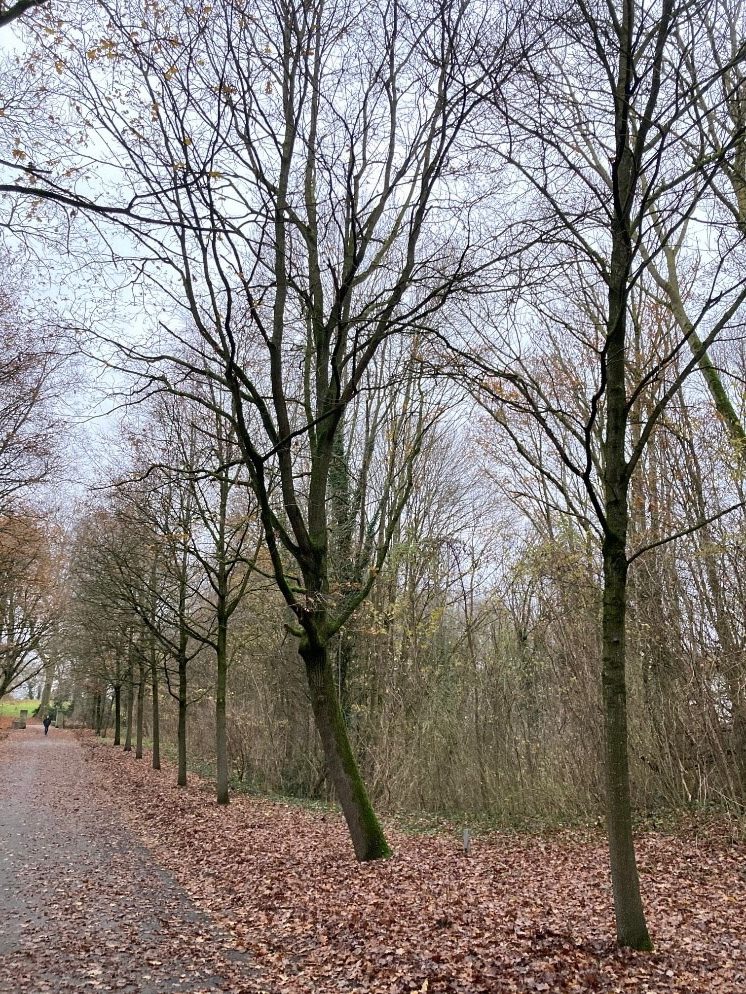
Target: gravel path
[(83, 906)]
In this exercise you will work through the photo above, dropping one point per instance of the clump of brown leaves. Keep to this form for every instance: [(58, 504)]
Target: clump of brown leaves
[(518, 914)]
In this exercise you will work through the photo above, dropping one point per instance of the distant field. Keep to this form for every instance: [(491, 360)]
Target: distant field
[(10, 708)]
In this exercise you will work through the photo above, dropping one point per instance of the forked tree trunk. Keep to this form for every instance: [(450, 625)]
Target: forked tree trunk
[(368, 839)]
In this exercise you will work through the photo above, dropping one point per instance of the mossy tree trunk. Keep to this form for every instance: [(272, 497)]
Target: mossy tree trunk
[(367, 836), (319, 270)]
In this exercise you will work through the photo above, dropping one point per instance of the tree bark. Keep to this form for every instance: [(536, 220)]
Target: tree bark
[(118, 701), (156, 732), (181, 779), (98, 712), (221, 744), (106, 714), (368, 839), (130, 702), (156, 712), (49, 671), (630, 917), (140, 708), (117, 714), (631, 928)]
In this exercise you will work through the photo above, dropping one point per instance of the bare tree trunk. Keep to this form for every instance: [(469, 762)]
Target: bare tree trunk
[(117, 714), (98, 712), (106, 714), (221, 743), (49, 672), (156, 712), (181, 778), (130, 702), (631, 927), (140, 707), (630, 916), (367, 836), (118, 701)]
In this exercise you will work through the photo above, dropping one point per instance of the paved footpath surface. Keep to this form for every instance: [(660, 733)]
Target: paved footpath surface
[(83, 906)]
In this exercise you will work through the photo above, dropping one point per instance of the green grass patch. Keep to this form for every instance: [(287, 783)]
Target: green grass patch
[(11, 708)]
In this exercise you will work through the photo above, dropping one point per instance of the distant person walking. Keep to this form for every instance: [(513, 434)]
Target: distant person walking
[(47, 722)]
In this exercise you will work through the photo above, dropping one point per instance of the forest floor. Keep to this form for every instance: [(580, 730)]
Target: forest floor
[(130, 882)]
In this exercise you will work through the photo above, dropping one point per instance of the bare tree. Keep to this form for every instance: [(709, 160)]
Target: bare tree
[(607, 181), (225, 539), (294, 170)]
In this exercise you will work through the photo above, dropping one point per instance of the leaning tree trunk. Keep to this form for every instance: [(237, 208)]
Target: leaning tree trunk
[(368, 839)]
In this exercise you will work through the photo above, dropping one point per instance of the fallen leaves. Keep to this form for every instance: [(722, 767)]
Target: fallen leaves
[(284, 907), (83, 905), (519, 914)]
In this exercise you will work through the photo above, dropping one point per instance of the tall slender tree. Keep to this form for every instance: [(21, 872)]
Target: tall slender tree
[(607, 182)]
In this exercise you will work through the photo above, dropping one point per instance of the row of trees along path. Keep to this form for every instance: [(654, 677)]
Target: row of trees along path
[(298, 218), (83, 905)]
